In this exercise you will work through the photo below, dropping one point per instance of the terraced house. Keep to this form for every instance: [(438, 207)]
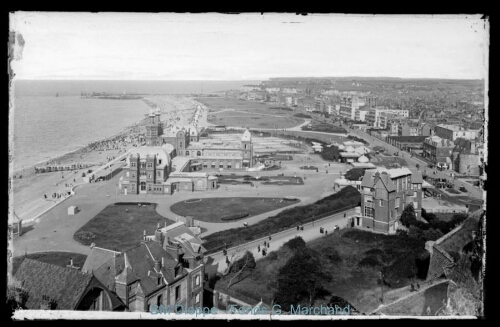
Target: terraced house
[(384, 195)]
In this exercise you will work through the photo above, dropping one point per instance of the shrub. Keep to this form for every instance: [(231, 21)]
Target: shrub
[(296, 243), (272, 256), (355, 174), (301, 115), (235, 216)]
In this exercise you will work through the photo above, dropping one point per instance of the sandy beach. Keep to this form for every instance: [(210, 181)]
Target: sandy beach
[(31, 193)]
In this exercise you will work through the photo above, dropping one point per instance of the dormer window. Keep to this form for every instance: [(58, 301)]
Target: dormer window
[(159, 280)]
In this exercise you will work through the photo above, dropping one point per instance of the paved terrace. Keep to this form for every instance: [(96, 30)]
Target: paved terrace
[(53, 230)]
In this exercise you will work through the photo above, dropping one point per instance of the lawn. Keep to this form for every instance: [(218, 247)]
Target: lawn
[(341, 256), (56, 258), (212, 209), (253, 120), (121, 225)]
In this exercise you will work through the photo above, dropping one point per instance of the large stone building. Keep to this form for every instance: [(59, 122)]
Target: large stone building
[(384, 195), (452, 132), (438, 150), (149, 169)]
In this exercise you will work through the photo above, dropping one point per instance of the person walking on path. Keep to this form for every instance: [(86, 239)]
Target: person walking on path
[(345, 214), (326, 232), (258, 248)]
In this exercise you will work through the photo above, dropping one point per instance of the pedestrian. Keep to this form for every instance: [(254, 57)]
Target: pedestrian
[(258, 248), (326, 232), (45, 196), (345, 214), (268, 245), (265, 243), (269, 237)]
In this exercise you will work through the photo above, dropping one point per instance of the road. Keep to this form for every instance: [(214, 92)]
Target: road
[(472, 191), (217, 261)]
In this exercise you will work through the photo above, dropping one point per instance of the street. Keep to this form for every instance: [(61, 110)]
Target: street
[(310, 232)]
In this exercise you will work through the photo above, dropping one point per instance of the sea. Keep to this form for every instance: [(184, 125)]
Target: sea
[(43, 126)]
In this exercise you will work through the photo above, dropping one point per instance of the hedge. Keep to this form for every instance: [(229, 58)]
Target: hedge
[(348, 197)]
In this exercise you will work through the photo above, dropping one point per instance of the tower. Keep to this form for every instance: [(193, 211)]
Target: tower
[(247, 149), (153, 129)]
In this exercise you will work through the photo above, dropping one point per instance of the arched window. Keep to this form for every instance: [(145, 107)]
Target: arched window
[(198, 153)]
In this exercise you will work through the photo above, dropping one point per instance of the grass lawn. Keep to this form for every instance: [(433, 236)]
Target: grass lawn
[(252, 120), (212, 209), (121, 226), (56, 258), (341, 254)]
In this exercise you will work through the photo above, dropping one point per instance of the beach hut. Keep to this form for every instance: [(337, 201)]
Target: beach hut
[(72, 210), (15, 224)]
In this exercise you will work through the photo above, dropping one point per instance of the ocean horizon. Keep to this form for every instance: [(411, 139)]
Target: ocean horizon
[(75, 87)]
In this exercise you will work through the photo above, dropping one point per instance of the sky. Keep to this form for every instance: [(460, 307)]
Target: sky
[(212, 46)]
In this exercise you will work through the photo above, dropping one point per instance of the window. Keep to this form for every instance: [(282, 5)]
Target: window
[(380, 203), (149, 176), (159, 300), (221, 164), (132, 186), (198, 153), (143, 173), (197, 298), (133, 164), (143, 165), (159, 278), (229, 165), (213, 164), (159, 161), (196, 281), (133, 174), (397, 203), (150, 165), (205, 164), (180, 145), (159, 173), (177, 292), (187, 153), (149, 188)]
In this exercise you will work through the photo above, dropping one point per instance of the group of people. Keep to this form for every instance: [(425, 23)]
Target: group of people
[(264, 248), (58, 195)]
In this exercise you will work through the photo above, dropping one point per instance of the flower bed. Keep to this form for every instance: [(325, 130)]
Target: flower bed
[(235, 216)]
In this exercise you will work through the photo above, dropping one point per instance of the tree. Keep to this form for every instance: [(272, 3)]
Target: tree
[(246, 262), (301, 278), (408, 215), (432, 234)]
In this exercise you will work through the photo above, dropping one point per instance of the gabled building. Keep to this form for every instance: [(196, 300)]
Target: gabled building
[(438, 150), (384, 195), (164, 269), (43, 286)]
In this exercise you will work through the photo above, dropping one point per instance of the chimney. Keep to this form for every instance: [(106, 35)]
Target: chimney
[(144, 235), (158, 265), (158, 236), (71, 262)]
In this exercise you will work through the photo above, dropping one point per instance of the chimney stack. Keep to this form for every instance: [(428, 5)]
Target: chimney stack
[(158, 265)]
